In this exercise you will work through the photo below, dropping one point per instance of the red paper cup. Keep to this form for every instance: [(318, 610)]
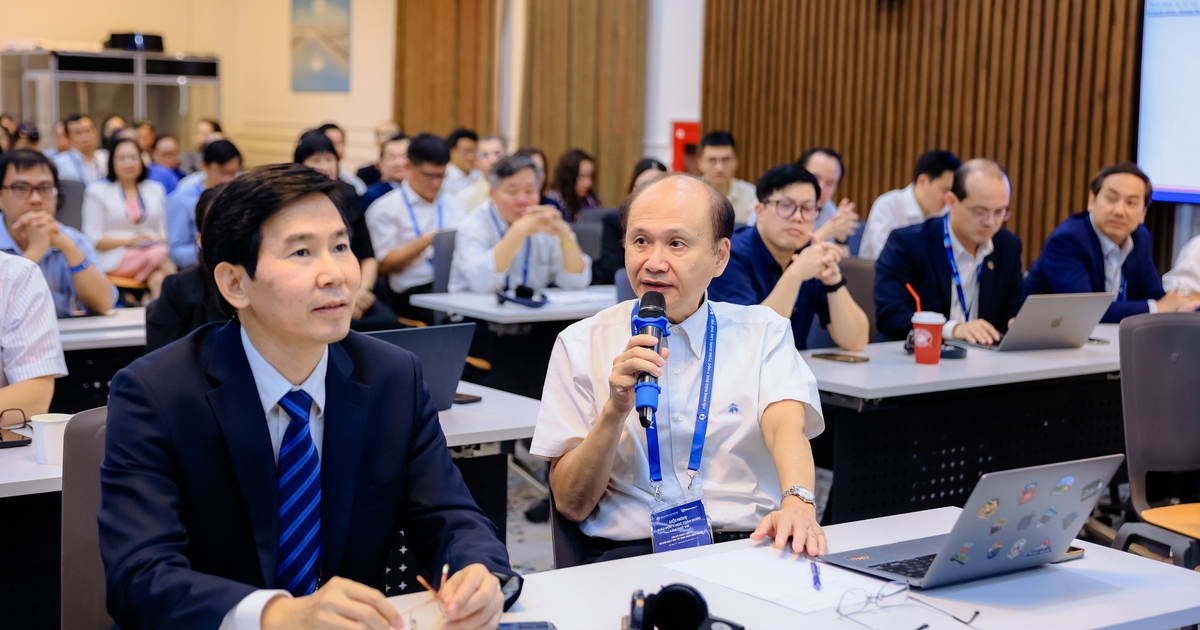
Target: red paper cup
[(927, 336)]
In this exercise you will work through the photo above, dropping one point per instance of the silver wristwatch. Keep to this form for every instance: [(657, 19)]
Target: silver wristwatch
[(802, 493)]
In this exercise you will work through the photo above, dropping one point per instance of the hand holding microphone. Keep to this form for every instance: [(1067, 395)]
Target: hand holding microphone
[(644, 358)]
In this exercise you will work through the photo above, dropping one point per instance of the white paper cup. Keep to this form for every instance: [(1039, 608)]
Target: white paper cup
[(48, 431)]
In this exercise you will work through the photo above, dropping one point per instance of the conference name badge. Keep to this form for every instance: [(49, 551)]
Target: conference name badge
[(680, 526)]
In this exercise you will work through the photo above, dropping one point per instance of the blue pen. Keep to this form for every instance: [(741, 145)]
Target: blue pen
[(816, 573)]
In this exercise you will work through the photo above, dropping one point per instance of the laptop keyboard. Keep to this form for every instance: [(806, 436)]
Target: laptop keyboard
[(912, 567)]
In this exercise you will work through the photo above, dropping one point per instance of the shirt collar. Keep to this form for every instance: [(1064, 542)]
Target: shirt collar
[(1109, 248), (272, 386), (981, 252), (766, 258), (695, 327), (415, 199)]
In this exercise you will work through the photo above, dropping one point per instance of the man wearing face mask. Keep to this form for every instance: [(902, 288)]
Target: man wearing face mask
[(511, 241)]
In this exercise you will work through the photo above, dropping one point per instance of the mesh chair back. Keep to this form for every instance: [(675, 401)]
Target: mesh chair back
[(70, 203), (1160, 393), (443, 255), (82, 570)]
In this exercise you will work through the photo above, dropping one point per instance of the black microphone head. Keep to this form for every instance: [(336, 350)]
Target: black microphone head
[(653, 305)]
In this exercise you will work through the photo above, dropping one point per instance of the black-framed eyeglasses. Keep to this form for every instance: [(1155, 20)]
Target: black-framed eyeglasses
[(786, 209), (1001, 215), (13, 419), (857, 600), (22, 190)]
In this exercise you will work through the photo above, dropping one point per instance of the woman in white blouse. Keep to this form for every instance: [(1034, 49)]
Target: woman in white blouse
[(125, 218)]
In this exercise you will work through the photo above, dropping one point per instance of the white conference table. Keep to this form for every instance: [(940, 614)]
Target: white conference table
[(564, 305), (890, 372), (1105, 589), (498, 417), (120, 328)]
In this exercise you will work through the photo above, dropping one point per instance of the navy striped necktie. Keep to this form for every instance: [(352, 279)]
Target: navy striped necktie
[(299, 472)]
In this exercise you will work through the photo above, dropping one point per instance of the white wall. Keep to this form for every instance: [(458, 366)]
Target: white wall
[(674, 57)]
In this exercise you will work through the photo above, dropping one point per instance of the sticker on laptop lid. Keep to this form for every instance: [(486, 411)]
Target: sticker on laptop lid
[(998, 525), (1040, 550), (1063, 486), (1048, 516), (1027, 494), (1017, 548), (1026, 521), (995, 550), (858, 558), (988, 509), (1091, 489), (1070, 518), (961, 556)]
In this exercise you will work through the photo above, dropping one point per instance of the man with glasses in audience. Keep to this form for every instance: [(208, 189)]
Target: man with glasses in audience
[(403, 223), (28, 200), (776, 263), (964, 265)]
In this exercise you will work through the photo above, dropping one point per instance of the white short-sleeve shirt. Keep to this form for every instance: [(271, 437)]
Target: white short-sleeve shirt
[(756, 364), (29, 343), (474, 266), (391, 226)]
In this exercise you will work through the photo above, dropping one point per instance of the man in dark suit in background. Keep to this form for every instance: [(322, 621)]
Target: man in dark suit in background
[(1107, 249), (964, 265), (256, 472)]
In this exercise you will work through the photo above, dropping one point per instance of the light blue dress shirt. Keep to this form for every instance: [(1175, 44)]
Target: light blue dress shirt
[(57, 270), (181, 223)]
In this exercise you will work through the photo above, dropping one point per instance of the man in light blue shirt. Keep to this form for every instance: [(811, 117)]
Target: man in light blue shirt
[(222, 161), (28, 191)]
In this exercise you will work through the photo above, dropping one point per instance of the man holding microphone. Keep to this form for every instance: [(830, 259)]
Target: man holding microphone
[(736, 409)]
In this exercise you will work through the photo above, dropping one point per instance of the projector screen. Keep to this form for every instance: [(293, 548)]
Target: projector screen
[(1169, 116)]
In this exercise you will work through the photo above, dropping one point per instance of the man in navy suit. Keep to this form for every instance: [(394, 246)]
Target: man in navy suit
[(256, 472), (1107, 249), (964, 265)]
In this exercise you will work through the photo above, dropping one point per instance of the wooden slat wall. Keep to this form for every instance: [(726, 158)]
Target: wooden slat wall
[(445, 66), (1045, 87), (585, 85)]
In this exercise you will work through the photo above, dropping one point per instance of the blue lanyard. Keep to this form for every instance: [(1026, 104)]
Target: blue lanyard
[(528, 246), (417, 226), (141, 202), (1121, 292), (710, 357), (962, 299)]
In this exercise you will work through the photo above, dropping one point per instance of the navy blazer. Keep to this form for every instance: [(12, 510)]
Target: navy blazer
[(189, 504), (916, 254), (1073, 262)]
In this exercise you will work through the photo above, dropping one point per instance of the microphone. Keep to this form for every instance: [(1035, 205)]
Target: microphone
[(651, 320)]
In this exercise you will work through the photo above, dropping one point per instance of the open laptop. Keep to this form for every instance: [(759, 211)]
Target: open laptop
[(442, 351), (1046, 322), (1015, 519)]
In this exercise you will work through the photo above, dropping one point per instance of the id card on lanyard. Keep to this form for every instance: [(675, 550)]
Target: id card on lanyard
[(528, 247), (417, 225), (683, 523), (962, 299)]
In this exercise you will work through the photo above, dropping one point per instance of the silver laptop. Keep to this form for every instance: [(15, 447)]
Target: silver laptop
[(442, 353), (1015, 519), (1047, 322)]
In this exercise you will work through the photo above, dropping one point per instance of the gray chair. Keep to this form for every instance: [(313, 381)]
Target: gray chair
[(443, 256), (70, 203), (589, 234), (82, 570), (1160, 393), (624, 287), (592, 215), (566, 539), (860, 282)]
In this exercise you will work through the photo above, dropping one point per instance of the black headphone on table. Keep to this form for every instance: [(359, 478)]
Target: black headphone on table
[(675, 607), (949, 350)]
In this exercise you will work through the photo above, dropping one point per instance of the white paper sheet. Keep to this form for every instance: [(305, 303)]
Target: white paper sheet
[(780, 577)]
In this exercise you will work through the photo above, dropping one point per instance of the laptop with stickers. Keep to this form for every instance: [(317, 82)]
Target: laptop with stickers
[(1014, 520)]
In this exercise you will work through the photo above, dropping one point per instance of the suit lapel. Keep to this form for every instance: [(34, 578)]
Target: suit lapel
[(345, 433), (987, 278), (239, 413), (941, 265), (1097, 253)]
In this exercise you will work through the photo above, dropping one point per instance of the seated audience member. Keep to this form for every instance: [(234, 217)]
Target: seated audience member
[(329, 436), (26, 137), (461, 172), (511, 241), (111, 124), (539, 157), (612, 239), (125, 219), (371, 174), (1107, 249), (717, 161), (403, 223), (835, 223), (28, 200), (777, 263), (1184, 277), (317, 152), (925, 197), (490, 149), (571, 191), (222, 162), (164, 162), (338, 137), (764, 408), (393, 158), (85, 161), (189, 298), (964, 265), (207, 130), (62, 143), (31, 354)]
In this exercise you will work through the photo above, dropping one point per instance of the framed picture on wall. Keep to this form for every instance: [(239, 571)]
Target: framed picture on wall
[(320, 45)]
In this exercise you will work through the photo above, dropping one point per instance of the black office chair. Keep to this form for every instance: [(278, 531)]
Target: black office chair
[(70, 203), (1160, 393), (443, 257), (567, 540)]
